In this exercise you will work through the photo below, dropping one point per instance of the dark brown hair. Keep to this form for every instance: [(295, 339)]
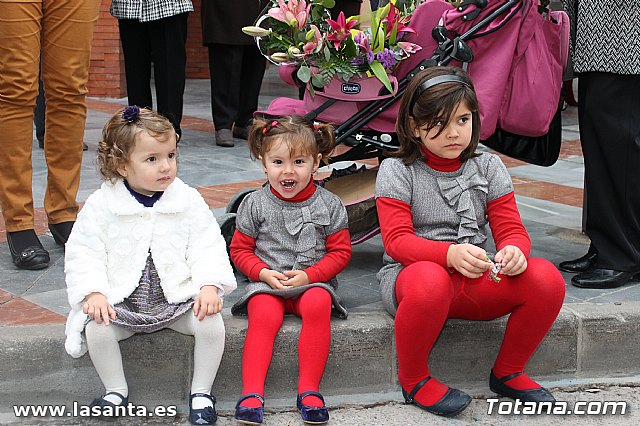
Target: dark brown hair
[(436, 104), (119, 138), (302, 136)]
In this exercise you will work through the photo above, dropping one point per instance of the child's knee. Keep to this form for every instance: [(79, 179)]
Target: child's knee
[(315, 302), (211, 327), (545, 278), (424, 282), (99, 333)]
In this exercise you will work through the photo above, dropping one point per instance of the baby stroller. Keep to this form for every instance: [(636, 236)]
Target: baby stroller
[(489, 38)]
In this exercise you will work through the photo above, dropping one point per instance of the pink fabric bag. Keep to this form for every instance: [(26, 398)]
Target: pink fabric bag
[(533, 90)]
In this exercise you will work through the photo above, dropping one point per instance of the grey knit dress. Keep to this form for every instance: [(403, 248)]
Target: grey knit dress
[(446, 206), (290, 236)]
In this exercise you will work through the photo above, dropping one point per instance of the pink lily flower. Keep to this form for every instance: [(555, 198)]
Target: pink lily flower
[(394, 18), (293, 13), (409, 48), (341, 29), (311, 46)]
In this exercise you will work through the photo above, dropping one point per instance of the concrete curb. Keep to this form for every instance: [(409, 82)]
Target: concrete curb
[(587, 340)]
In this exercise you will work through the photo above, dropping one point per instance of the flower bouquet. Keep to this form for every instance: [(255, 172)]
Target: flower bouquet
[(368, 45)]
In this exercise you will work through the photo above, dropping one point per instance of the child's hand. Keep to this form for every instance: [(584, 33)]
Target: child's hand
[(207, 302), (512, 259), (295, 278), (468, 259), (98, 308), (273, 278)]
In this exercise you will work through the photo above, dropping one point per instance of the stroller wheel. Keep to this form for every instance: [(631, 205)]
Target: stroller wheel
[(227, 223), (235, 201)]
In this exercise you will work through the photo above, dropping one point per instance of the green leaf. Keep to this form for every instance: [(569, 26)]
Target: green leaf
[(328, 3), (304, 74), (381, 74), (317, 80)]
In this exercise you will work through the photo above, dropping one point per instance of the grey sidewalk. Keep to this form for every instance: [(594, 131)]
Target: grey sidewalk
[(595, 335)]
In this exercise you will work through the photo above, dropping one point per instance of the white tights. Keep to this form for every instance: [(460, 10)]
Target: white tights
[(209, 334)]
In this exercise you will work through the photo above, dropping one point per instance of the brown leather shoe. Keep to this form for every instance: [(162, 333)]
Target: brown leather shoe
[(224, 138)]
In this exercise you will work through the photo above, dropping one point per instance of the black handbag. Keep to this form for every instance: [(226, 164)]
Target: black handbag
[(540, 150)]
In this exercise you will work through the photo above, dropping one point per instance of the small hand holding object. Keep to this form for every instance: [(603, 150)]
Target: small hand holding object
[(295, 278), (98, 308), (512, 259), (207, 302), (469, 260), (273, 278)]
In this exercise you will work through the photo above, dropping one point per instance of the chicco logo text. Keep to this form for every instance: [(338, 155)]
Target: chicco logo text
[(350, 88)]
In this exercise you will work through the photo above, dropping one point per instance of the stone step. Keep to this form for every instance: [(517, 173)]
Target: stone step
[(587, 340)]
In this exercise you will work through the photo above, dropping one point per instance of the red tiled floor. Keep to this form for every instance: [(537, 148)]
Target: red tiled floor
[(17, 311), (548, 191)]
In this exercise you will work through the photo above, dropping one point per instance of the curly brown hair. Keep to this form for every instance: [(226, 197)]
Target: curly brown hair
[(119, 137), (302, 136), (436, 104)]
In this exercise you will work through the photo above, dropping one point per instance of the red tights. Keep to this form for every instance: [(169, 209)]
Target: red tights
[(428, 295), (266, 313)]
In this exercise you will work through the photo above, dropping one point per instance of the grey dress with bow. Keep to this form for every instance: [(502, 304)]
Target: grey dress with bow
[(290, 236), (445, 206)]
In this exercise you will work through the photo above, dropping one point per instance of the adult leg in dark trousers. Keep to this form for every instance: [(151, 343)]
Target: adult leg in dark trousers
[(234, 95), (163, 43), (609, 117)]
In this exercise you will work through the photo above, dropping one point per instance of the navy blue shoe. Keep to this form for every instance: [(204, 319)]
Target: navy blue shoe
[(451, 404), (108, 410), (312, 415), (203, 416), (528, 395), (247, 415)]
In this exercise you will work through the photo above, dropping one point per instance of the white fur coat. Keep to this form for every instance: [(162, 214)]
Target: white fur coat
[(111, 239)]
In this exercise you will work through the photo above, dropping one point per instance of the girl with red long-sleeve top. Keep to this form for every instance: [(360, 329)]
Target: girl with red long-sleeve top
[(291, 241), (435, 198)]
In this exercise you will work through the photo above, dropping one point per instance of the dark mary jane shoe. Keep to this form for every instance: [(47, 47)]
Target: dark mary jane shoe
[(528, 395), (203, 416), (451, 404), (108, 411), (32, 257), (61, 231), (312, 415), (580, 264), (247, 415)]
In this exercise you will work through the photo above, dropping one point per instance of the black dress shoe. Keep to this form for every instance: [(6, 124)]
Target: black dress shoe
[(61, 231), (224, 138), (528, 395), (240, 132), (451, 404), (26, 250), (602, 278), (580, 264)]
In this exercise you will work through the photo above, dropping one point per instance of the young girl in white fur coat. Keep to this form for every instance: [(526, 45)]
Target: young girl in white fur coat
[(145, 254)]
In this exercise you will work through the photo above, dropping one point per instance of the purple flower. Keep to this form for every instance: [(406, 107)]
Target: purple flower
[(131, 113), (387, 58), (370, 56), (357, 61)]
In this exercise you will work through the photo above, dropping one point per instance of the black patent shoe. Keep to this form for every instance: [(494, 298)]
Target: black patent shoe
[(203, 416), (602, 278), (26, 250), (248, 415), (580, 264), (312, 415), (61, 231), (528, 395), (107, 410), (451, 404)]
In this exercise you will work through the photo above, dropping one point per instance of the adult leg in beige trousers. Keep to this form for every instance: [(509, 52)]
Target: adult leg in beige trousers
[(62, 30)]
